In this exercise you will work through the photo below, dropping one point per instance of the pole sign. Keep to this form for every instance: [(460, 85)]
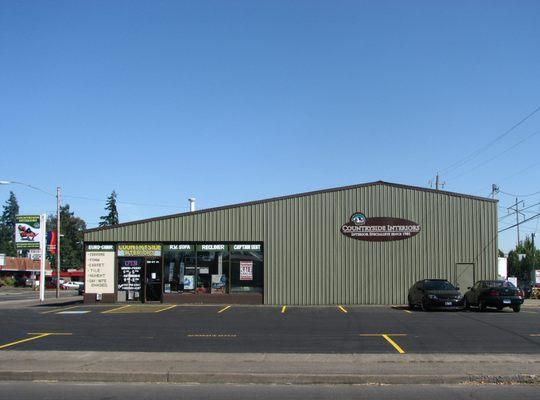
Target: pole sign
[(99, 269), (379, 229), (28, 231)]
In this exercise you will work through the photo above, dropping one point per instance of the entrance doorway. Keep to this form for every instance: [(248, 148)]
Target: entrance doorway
[(464, 276), (153, 280)]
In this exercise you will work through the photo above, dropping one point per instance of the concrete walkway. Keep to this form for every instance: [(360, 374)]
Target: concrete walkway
[(268, 368)]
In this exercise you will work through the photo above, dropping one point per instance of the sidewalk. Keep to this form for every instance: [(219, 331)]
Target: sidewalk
[(269, 368), (49, 301)]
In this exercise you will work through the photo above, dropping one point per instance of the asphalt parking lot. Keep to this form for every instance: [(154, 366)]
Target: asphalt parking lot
[(271, 329)]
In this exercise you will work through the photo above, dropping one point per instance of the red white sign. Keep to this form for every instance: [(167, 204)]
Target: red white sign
[(246, 270)]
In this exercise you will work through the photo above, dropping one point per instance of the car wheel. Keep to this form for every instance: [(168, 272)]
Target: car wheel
[(467, 304), (516, 308), (482, 306), (411, 305)]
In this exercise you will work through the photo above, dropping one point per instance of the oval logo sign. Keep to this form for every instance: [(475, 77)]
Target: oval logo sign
[(379, 229)]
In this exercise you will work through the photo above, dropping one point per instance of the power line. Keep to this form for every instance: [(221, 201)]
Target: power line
[(511, 176), (495, 156), (520, 195), (122, 202), (475, 153), (522, 222)]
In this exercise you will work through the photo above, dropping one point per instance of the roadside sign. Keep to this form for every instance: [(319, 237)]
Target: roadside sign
[(28, 231)]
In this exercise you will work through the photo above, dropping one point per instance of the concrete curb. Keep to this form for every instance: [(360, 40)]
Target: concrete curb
[(250, 378)]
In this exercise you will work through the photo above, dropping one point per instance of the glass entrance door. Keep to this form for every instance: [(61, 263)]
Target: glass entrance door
[(153, 280)]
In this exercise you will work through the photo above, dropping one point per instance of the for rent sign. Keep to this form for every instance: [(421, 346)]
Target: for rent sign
[(379, 229)]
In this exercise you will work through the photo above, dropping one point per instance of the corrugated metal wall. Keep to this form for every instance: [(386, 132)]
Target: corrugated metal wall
[(307, 259)]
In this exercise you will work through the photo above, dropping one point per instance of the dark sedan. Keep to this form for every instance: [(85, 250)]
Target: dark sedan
[(429, 294), (498, 294)]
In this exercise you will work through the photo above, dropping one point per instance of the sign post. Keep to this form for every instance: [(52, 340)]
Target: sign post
[(43, 248)]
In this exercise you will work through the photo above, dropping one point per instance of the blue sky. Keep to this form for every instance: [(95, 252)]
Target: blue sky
[(232, 101)]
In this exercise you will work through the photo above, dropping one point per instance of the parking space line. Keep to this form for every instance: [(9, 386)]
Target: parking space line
[(116, 309), (38, 336), (402, 309), (342, 309), (166, 308), (535, 334), (283, 309), (386, 336), (59, 309), (223, 309), (389, 340)]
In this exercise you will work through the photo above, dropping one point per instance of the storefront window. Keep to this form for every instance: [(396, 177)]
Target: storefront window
[(246, 261), (179, 268), (212, 269)]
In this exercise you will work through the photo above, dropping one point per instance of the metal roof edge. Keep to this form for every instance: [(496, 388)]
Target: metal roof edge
[(304, 194)]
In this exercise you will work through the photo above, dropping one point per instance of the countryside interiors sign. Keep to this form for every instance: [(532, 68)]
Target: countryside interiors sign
[(379, 229)]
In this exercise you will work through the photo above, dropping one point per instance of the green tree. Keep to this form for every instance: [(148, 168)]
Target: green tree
[(7, 226), (112, 217), (71, 242), (530, 260)]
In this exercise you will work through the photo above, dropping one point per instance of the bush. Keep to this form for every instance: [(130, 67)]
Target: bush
[(8, 281)]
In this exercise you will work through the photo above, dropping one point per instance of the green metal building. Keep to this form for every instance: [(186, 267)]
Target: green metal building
[(361, 244)]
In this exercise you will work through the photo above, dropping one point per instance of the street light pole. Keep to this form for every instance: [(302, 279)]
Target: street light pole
[(57, 242)]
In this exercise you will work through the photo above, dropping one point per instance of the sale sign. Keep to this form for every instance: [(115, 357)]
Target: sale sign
[(246, 270)]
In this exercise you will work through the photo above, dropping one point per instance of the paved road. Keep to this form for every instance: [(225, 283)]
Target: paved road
[(10, 293), (82, 391), (160, 328)]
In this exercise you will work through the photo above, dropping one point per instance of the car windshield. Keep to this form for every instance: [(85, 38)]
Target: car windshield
[(438, 285), (498, 284)]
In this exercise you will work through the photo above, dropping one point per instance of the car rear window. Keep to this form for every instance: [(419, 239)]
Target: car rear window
[(438, 285), (498, 284)]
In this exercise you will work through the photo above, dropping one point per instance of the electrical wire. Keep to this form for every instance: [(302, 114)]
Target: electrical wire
[(494, 157), (519, 195), (475, 153), (519, 223)]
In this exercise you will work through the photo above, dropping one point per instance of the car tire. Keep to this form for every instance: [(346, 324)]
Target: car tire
[(516, 308), (411, 305), (467, 304), (482, 306)]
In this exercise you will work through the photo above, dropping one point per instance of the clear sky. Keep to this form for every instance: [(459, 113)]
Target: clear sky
[(231, 101)]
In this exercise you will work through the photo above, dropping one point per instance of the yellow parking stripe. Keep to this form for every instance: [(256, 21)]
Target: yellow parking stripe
[(342, 309), (389, 340), (224, 309), (24, 340), (116, 309), (283, 309), (59, 309), (166, 308)]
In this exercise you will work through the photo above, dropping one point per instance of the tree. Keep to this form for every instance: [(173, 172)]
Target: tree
[(71, 243), (530, 260), (7, 226), (112, 217)]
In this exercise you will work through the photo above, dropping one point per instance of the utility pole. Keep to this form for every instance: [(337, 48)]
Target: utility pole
[(57, 242), (438, 183), (515, 208)]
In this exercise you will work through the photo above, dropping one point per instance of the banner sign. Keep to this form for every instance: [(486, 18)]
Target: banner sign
[(240, 247), (99, 269), (212, 247), (246, 270), (51, 242), (139, 250), (379, 229), (178, 247), (27, 231)]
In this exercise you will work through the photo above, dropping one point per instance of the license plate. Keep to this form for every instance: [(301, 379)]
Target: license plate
[(507, 301), (447, 303)]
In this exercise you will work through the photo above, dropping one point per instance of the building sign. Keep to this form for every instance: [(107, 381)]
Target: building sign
[(537, 276), (379, 229), (27, 231), (139, 250), (240, 247), (246, 270), (99, 269), (212, 247), (178, 247), (130, 275)]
